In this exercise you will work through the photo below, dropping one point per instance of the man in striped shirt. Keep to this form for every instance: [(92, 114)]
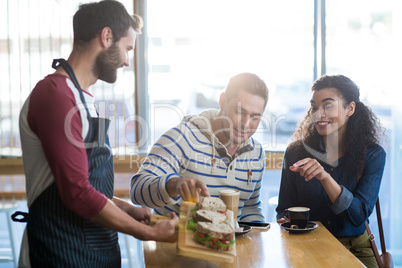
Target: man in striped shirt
[(209, 152)]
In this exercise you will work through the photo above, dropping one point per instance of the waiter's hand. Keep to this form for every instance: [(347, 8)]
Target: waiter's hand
[(142, 215), (165, 231), (189, 189)]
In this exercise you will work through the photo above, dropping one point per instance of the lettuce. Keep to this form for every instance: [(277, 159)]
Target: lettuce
[(192, 225)]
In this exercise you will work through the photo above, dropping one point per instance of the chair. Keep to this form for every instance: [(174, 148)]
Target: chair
[(385, 259), (9, 207)]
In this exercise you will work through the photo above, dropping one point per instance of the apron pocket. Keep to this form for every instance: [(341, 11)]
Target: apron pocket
[(98, 237)]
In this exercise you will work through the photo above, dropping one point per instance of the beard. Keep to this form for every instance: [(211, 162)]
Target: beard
[(107, 63)]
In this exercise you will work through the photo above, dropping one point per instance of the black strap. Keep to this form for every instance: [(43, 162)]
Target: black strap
[(66, 66), (20, 213)]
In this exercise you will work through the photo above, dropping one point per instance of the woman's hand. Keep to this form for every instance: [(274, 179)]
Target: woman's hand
[(282, 220), (310, 168)]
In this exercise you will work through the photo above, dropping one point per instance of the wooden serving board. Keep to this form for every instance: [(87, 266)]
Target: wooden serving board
[(186, 246)]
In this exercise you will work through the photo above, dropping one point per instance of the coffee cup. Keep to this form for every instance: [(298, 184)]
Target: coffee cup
[(231, 198), (298, 216)]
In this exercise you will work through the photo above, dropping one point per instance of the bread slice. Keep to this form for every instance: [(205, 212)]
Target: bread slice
[(213, 204), (222, 231), (209, 216)]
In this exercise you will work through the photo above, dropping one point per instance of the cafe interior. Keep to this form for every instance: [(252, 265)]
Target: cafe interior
[(181, 64)]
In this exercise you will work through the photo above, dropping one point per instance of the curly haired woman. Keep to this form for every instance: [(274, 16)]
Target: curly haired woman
[(335, 164)]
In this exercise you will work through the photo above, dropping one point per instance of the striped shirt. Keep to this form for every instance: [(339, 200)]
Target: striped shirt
[(192, 150)]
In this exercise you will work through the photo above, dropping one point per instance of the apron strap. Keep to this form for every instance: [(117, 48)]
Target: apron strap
[(66, 66), (20, 213)]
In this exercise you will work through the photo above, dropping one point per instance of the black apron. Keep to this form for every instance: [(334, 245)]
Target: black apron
[(58, 237)]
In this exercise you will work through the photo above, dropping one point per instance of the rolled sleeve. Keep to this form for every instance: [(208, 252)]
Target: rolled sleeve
[(343, 202), (163, 192)]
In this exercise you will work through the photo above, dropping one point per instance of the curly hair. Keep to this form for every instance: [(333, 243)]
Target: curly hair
[(362, 130)]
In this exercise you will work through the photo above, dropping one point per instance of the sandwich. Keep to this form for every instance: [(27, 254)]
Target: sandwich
[(213, 204), (209, 216), (217, 235), (210, 209)]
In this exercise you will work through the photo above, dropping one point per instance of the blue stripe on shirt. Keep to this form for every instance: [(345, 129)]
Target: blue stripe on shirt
[(142, 196), (150, 171), (195, 136), (207, 174), (168, 151), (139, 178), (154, 165), (231, 187), (253, 170), (245, 180), (184, 153), (189, 143), (164, 160), (149, 191)]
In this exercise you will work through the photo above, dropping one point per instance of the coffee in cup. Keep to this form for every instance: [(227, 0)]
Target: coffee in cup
[(231, 198), (298, 216)]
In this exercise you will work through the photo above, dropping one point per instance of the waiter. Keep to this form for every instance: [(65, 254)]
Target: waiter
[(73, 217)]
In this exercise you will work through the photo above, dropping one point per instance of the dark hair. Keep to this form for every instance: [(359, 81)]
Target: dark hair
[(91, 18), (248, 82), (362, 130)]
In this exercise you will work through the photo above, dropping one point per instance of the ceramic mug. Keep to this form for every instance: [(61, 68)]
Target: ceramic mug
[(298, 216)]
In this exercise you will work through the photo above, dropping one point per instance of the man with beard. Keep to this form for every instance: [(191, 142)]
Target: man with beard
[(209, 152), (73, 217)]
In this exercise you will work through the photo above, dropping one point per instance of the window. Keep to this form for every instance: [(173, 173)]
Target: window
[(363, 42), (192, 55), (33, 33)]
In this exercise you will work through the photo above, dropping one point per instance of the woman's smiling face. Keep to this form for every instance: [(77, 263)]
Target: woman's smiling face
[(329, 111)]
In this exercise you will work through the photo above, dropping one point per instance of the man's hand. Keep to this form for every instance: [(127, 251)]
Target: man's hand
[(188, 188), (142, 215), (165, 231)]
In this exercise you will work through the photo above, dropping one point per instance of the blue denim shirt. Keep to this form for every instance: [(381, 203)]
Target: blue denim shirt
[(345, 217)]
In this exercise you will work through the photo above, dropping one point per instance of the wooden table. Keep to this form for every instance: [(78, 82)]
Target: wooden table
[(264, 248)]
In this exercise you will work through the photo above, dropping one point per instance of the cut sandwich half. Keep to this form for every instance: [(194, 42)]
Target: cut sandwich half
[(219, 236), (213, 204), (209, 216)]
